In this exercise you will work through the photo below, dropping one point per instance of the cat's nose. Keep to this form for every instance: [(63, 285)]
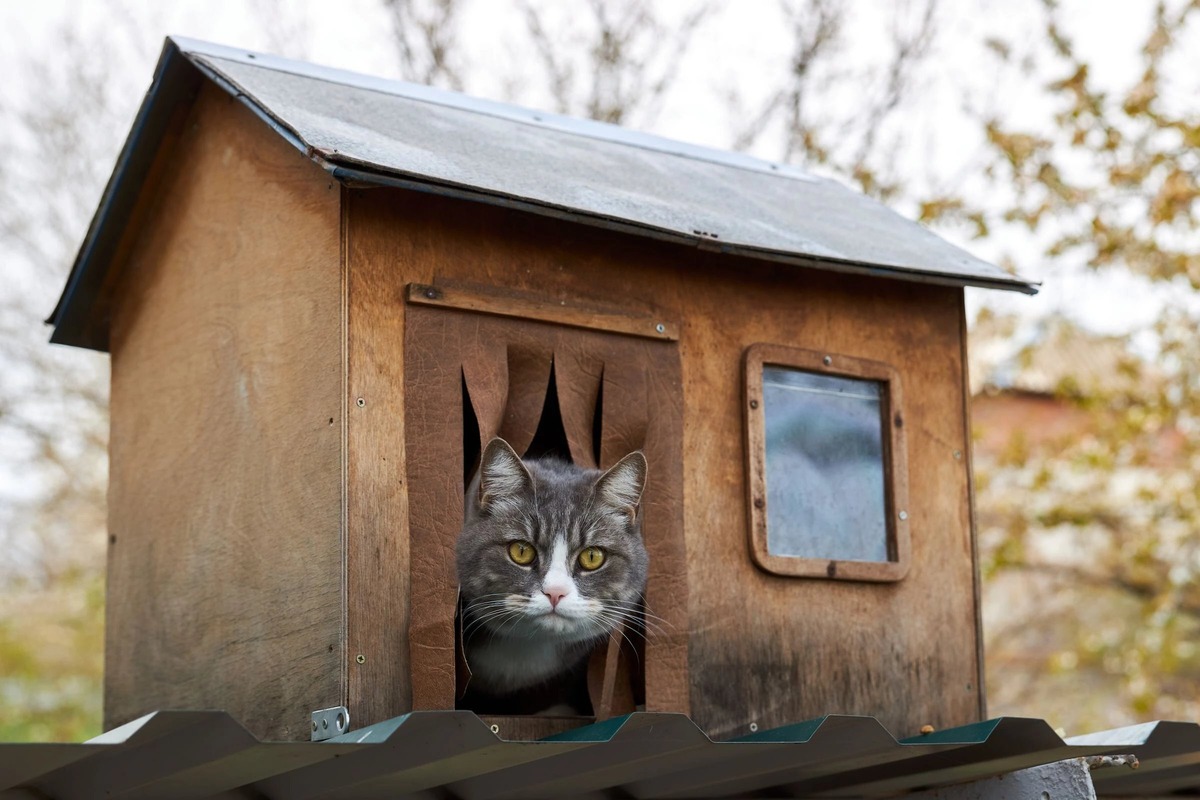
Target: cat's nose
[(555, 594)]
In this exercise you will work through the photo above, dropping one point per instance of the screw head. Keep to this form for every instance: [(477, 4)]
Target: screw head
[(495, 729), (958, 455), (754, 404), (660, 328), (361, 402), (753, 727), (903, 515), (324, 723), (360, 658), (827, 360)]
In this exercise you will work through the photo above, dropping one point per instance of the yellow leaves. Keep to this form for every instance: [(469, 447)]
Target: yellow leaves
[(1142, 96), (1076, 83), (1175, 196), (1017, 148), (935, 209)]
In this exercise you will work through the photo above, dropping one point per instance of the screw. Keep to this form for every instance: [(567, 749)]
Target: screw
[(958, 455), (753, 727), (324, 723), (754, 404), (314, 727), (758, 502), (431, 294), (496, 729), (660, 328), (903, 515), (360, 658), (361, 402), (827, 360)]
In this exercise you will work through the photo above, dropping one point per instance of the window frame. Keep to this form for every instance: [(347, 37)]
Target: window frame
[(895, 463)]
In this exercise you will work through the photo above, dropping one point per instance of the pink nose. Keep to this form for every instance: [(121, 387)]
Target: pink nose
[(555, 595)]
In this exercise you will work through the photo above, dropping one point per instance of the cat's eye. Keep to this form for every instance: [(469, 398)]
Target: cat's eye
[(522, 553), (591, 558)]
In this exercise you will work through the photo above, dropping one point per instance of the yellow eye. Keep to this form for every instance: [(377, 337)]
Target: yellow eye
[(521, 552), (591, 558)]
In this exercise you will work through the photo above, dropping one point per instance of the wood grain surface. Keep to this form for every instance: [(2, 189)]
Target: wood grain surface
[(761, 648), (225, 562)]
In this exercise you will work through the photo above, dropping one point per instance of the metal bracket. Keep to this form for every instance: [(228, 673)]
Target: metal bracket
[(330, 722)]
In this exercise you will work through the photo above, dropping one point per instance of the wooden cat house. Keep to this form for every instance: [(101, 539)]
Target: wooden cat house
[(323, 292)]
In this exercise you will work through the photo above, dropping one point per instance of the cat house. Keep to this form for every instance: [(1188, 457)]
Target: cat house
[(324, 293)]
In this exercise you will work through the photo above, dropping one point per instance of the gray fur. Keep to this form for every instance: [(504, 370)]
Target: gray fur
[(515, 637)]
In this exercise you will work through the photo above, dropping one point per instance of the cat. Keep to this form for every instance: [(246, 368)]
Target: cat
[(550, 561)]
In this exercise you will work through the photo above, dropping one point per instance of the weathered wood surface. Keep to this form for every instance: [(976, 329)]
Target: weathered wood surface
[(261, 512), (225, 562), (525, 306), (377, 542), (763, 648)]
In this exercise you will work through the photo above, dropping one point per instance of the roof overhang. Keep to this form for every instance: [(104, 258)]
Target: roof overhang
[(376, 132)]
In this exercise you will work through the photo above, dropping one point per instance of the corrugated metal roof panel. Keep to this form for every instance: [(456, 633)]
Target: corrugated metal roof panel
[(364, 129), (195, 754)]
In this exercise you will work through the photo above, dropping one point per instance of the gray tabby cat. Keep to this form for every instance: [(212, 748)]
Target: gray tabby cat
[(550, 562)]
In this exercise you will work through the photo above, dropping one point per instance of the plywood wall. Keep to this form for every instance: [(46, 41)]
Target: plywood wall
[(764, 649), (260, 559), (225, 558)]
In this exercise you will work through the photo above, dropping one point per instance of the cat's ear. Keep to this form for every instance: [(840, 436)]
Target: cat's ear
[(503, 480), (620, 488)]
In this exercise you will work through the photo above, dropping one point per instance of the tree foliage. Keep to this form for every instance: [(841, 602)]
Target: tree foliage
[(1103, 527)]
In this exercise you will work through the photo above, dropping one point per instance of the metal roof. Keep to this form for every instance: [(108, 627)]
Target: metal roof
[(382, 132), (453, 754)]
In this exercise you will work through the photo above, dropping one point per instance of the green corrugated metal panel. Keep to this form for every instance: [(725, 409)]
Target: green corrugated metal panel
[(452, 754)]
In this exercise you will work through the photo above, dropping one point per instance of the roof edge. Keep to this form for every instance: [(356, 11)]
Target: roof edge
[(83, 325), (358, 176), (81, 319)]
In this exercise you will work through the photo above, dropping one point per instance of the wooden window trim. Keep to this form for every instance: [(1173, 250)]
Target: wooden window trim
[(895, 466)]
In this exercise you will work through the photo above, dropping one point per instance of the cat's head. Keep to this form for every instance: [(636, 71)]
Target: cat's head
[(551, 547)]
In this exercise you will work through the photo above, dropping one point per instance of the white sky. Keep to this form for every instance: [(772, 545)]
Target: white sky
[(748, 43), (353, 34)]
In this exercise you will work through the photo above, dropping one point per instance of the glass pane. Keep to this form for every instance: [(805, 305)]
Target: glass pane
[(825, 493)]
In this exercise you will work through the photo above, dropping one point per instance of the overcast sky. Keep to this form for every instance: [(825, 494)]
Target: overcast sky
[(738, 51)]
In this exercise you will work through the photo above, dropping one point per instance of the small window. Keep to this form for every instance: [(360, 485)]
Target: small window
[(827, 476)]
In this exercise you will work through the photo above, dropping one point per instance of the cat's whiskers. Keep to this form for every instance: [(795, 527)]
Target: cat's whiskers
[(637, 605), (608, 630), (484, 613), (628, 624), (637, 619)]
